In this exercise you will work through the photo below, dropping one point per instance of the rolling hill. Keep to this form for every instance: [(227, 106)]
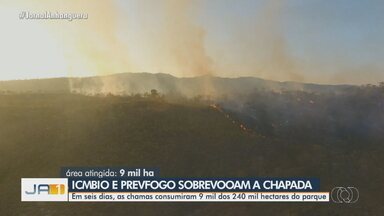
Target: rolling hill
[(132, 83), (41, 132)]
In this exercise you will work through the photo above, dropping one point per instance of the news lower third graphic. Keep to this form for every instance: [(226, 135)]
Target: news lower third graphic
[(122, 184)]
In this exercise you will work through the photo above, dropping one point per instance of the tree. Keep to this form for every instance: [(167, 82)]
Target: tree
[(154, 93)]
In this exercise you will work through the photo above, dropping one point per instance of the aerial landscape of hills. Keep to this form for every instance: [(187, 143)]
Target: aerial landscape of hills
[(281, 91), (193, 127)]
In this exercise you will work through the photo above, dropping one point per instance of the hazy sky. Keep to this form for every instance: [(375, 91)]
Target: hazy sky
[(321, 41)]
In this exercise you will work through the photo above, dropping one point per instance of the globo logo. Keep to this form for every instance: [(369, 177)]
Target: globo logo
[(344, 195)]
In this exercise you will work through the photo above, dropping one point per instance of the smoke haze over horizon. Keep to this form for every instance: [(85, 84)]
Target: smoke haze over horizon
[(315, 41)]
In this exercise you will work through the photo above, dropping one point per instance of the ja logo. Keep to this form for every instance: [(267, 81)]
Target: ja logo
[(344, 195)]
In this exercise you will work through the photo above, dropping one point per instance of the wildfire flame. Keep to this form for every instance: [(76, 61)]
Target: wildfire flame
[(226, 115)]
